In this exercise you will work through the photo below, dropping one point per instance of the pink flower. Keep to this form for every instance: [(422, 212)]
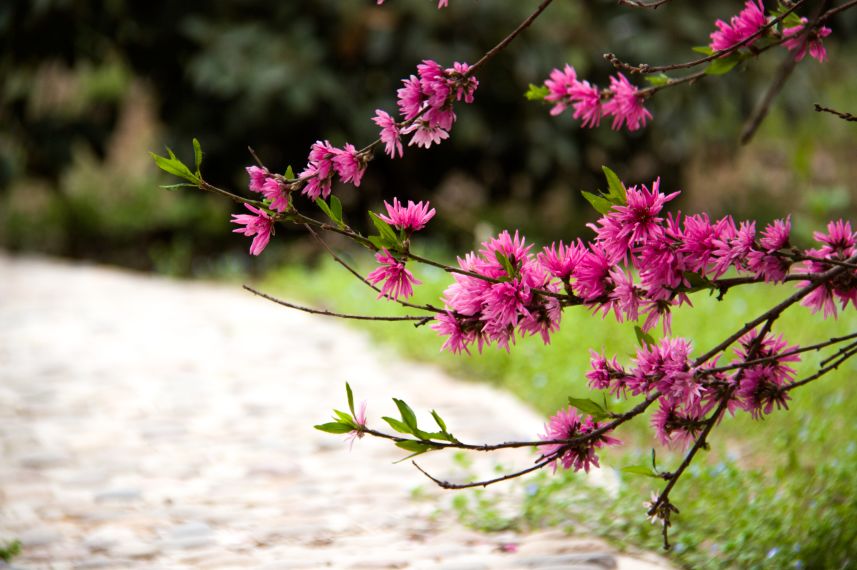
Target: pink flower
[(764, 261), (564, 89), (260, 224), (561, 260), (275, 191), (349, 165), (360, 420), (760, 386), (798, 42), (446, 324), (258, 176), (626, 105), (411, 98), (675, 426), (732, 248), (604, 374), (840, 245), (747, 23), (319, 171), (566, 424), (425, 135), (462, 85), (412, 218), (390, 135), (397, 280), (559, 88)]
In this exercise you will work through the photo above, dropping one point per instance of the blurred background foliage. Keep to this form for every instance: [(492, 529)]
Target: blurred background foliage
[(89, 87)]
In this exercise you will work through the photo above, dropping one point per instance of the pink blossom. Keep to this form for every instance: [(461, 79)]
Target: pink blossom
[(559, 88), (626, 296), (674, 426), (275, 191), (457, 339), (390, 135), (800, 43), (732, 248), (425, 135), (764, 261), (840, 245), (626, 105), (411, 218), (592, 275), (561, 260), (463, 85), (349, 165), (259, 224), (411, 98), (741, 27), (760, 386), (397, 281), (360, 420), (605, 374), (566, 424), (564, 90), (319, 171), (258, 176)]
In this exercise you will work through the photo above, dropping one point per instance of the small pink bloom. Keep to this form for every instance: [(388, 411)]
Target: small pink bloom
[(425, 135), (396, 280), (260, 224), (801, 43), (390, 135), (411, 98), (463, 86), (411, 218), (567, 424), (349, 165), (258, 176), (626, 105), (561, 260), (360, 420), (747, 23), (275, 191)]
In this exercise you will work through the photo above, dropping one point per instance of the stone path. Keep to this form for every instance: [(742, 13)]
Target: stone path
[(150, 423)]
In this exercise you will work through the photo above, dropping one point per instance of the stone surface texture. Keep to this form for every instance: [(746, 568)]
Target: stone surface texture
[(154, 423)]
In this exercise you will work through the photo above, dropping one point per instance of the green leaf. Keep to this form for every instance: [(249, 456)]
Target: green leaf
[(704, 50), (601, 205), (644, 338), (336, 209), (380, 242), (384, 229), (290, 174), (536, 93), (350, 396), (344, 417), (408, 415), (641, 470), (174, 166), (658, 80), (589, 407), (723, 65), (177, 186), (397, 425), (415, 446), (334, 427), (439, 420), (654, 462), (324, 207), (197, 155), (507, 265), (697, 282), (615, 189)]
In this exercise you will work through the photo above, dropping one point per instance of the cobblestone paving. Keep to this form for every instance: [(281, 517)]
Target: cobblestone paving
[(150, 423)]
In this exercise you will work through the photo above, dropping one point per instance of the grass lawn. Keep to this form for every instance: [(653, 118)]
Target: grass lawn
[(776, 493)]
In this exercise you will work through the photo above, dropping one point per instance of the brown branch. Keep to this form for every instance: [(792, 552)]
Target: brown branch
[(840, 114), (419, 320), (783, 73), (824, 369), (447, 485), (508, 39)]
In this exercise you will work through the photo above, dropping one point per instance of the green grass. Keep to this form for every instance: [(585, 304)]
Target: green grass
[(775, 493)]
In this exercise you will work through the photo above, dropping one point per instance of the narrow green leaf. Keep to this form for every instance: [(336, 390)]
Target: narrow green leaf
[(415, 446), (397, 425), (658, 80), (197, 155), (336, 209), (177, 186), (343, 417), (439, 420), (290, 174), (601, 205), (644, 338), (589, 407), (174, 166), (723, 65), (334, 427), (654, 463), (536, 93), (408, 415), (324, 207), (350, 396), (641, 470), (704, 50), (384, 228), (697, 282), (507, 265), (615, 189)]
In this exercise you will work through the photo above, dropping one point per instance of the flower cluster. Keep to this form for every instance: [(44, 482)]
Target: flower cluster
[(622, 101), (745, 28), (258, 224), (502, 290), (425, 104), (567, 424), (686, 393), (838, 244), (740, 28), (325, 160)]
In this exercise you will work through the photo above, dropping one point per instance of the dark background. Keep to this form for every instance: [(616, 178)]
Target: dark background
[(88, 88)]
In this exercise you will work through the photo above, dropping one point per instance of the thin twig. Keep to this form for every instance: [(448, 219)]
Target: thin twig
[(778, 356), (508, 39), (840, 114), (486, 482), (654, 5), (822, 371), (419, 319)]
